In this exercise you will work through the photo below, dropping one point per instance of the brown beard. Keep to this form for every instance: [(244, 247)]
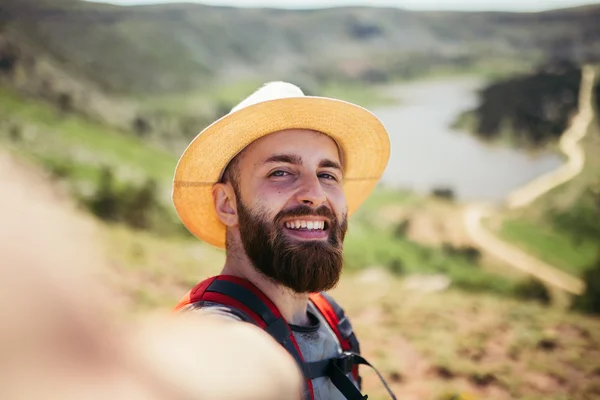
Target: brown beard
[(303, 266)]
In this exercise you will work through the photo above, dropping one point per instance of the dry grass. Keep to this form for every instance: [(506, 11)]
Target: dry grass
[(427, 345), (435, 345)]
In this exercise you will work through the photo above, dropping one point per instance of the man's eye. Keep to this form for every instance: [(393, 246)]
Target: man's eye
[(278, 173), (328, 176)]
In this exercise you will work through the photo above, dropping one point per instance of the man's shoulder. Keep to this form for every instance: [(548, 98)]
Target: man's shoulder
[(216, 309)]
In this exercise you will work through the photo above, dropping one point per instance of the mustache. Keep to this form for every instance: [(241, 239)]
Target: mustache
[(306, 211)]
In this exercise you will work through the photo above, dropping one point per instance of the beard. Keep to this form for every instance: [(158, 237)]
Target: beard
[(304, 266)]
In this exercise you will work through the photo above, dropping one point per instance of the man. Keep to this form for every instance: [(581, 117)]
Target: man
[(274, 182)]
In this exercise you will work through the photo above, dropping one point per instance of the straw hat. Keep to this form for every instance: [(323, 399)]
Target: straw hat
[(276, 106)]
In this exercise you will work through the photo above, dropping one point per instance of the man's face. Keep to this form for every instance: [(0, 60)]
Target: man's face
[(292, 209)]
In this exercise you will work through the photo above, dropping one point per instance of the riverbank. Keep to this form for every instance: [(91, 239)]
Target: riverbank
[(558, 227), (540, 198), (427, 154)]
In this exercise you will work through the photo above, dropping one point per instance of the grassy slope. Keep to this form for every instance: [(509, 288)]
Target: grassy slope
[(439, 345), (58, 139), (226, 96), (533, 229), (431, 345), (428, 344), (371, 242), (67, 140), (166, 48)]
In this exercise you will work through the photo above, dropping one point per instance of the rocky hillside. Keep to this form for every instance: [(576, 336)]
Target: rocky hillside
[(153, 49), (163, 72), (528, 110)]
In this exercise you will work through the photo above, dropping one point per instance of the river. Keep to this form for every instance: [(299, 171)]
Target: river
[(426, 153)]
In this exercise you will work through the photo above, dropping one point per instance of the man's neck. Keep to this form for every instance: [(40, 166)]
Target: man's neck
[(291, 305)]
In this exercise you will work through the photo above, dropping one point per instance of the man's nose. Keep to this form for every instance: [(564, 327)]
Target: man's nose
[(311, 192)]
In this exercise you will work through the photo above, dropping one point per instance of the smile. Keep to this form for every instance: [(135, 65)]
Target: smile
[(300, 224), (307, 229)]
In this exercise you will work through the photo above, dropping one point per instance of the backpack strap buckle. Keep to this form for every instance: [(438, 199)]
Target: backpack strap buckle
[(345, 362)]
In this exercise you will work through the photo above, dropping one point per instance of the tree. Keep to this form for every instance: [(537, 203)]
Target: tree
[(589, 300)]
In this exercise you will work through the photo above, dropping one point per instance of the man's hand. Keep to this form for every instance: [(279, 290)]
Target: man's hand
[(60, 337)]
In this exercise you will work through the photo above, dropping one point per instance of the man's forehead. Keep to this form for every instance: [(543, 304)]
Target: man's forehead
[(268, 142), (289, 140)]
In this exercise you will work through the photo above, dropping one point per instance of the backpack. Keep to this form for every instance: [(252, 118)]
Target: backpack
[(255, 307)]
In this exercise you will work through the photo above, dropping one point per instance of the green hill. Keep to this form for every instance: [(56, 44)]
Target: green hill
[(172, 48), (102, 97), (163, 72), (529, 110)]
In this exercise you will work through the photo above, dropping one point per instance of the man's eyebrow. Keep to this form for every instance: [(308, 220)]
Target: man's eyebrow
[(284, 158), (330, 164), (297, 160)]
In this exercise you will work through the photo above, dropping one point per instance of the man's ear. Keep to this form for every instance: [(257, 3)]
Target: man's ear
[(225, 203)]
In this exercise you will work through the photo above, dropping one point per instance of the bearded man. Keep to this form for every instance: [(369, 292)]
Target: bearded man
[(274, 183)]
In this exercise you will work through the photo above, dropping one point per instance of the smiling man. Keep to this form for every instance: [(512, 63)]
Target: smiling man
[(274, 183)]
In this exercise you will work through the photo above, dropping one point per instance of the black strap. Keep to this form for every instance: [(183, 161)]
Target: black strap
[(357, 359), (244, 296), (337, 369), (317, 369), (276, 327), (344, 384)]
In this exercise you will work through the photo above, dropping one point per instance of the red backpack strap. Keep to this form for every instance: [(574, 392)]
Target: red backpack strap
[(351, 358), (241, 294), (338, 322)]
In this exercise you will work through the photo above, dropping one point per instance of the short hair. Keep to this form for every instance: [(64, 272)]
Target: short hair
[(231, 174)]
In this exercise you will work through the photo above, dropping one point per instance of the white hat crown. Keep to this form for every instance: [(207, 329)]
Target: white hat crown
[(270, 91)]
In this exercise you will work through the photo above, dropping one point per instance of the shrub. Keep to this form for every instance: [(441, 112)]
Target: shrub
[(443, 193), (401, 228), (589, 300), (396, 266), (533, 289), (138, 206)]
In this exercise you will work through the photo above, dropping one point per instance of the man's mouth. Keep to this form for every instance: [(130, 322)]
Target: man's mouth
[(308, 228), (300, 224)]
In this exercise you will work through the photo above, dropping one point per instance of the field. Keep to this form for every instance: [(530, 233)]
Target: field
[(434, 318), (561, 226)]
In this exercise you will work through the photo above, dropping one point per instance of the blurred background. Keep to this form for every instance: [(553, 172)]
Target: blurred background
[(477, 258)]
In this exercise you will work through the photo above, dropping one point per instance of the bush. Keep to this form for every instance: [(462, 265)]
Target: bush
[(589, 301), (468, 253), (533, 289), (59, 169), (396, 266), (443, 193), (136, 206), (401, 228), (581, 219), (533, 109)]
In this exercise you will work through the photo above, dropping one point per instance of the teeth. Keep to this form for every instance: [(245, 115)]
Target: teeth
[(299, 224)]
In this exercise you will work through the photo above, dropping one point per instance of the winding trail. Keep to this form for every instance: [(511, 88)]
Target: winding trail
[(569, 144)]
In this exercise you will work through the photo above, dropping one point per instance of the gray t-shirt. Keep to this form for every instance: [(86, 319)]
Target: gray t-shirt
[(316, 341)]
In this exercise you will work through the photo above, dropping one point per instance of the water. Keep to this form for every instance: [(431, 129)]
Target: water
[(426, 153)]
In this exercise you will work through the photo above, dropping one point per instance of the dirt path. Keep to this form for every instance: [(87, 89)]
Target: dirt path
[(513, 256), (569, 144)]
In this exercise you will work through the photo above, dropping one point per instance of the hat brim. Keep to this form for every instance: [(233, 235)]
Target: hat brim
[(362, 138)]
